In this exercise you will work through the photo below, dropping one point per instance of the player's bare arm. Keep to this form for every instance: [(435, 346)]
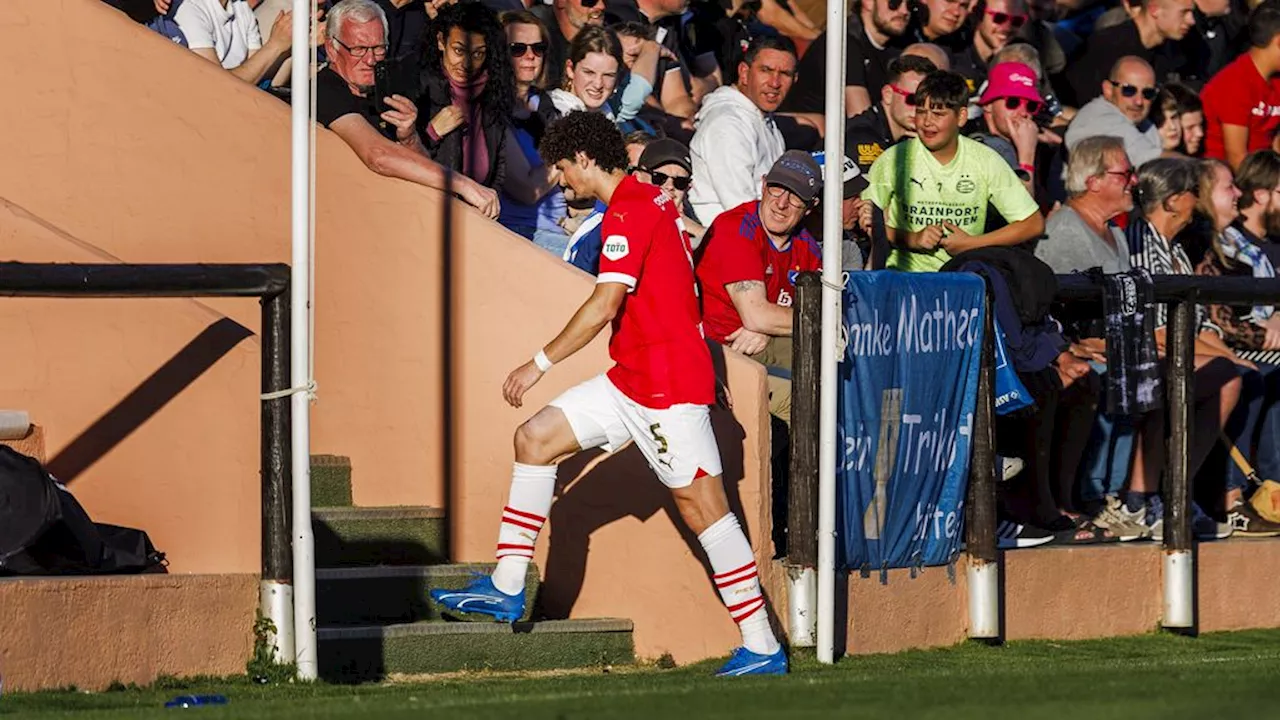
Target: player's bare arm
[(597, 312)]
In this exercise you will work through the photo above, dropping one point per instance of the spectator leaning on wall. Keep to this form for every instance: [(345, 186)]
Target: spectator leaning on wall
[(748, 266), (347, 103)]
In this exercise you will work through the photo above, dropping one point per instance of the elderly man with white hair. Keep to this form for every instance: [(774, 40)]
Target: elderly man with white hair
[(1081, 235), (379, 128)]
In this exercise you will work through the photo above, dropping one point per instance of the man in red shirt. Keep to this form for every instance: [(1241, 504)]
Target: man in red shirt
[(657, 394), (1242, 102), (747, 270)]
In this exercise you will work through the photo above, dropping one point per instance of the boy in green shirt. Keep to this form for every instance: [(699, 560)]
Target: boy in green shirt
[(934, 188)]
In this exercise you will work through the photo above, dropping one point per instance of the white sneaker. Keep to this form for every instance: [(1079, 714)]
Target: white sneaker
[(1009, 467), (1126, 524)]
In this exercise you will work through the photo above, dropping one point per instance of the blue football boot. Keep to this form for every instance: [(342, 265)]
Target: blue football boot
[(481, 598), (745, 662)]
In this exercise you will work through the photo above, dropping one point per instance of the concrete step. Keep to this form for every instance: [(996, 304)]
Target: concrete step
[(359, 654), (330, 481), (355, 536), (386, 595)]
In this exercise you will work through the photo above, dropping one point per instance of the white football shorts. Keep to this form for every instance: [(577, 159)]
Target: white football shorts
[(677, 441)]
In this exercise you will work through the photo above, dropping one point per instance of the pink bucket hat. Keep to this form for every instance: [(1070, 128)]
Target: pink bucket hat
[(1011, 79)]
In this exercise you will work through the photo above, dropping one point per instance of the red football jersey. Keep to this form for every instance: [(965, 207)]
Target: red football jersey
[(1239, 95), (736, 248), (658, 347)]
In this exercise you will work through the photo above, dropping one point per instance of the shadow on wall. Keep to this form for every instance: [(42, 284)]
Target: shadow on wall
[(148, 398)]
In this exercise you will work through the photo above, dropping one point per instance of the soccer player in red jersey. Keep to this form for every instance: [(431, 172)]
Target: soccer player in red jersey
[(657, 393)]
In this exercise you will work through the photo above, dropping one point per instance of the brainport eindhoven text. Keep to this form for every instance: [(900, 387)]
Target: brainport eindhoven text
[(920, 329)]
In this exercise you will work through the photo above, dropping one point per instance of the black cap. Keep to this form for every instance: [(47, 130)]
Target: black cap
[(665, 151), (798, 172)]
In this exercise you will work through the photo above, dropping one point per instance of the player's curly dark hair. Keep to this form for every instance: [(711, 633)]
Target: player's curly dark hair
[(587, 132)]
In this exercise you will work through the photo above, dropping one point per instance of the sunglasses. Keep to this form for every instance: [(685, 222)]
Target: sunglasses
[(1003, 18), (907, 97), (519, 49), (1129, 91), (588, 4), (1013, 103), (660, 179), (895, 4)]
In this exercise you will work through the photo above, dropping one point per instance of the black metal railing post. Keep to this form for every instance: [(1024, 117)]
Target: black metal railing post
[(276, 595), (802, 495), (269, 283), (980, 516), (1179, 614), (802, 483)]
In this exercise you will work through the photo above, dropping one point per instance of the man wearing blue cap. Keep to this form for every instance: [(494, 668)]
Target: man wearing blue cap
[(750, 258)]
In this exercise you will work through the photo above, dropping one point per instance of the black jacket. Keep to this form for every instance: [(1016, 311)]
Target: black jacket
[(448, 150)]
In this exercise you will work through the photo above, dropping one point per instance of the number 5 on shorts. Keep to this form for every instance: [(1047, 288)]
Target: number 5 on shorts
[(658, 438)]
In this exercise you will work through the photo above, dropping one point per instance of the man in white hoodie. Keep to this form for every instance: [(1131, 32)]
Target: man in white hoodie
[(737, 141)]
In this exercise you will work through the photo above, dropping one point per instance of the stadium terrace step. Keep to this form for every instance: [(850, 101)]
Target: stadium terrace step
[(330, 481), (356, 536), (359, 654), (388, 595)]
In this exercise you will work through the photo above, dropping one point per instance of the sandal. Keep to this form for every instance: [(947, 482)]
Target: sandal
[(1085, 533)]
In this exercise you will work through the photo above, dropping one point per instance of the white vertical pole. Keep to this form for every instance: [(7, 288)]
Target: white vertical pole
[(1179, 590), (802, 602), (832, 271), (304, 561)]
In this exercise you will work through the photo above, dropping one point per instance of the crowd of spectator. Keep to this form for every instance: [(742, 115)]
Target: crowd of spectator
[(1013, 138)]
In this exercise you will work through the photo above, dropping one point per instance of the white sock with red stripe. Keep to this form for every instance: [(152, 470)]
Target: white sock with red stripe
[(737, 578), (532, 487)]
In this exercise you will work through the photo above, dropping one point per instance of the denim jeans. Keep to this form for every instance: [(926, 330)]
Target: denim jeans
[(1254, 426), (551, 241), (1109, 454)]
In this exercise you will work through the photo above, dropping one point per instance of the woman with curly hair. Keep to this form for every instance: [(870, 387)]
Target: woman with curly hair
[(466, 104)]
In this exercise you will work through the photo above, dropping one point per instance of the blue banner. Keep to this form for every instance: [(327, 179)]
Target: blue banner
[(908, 384)]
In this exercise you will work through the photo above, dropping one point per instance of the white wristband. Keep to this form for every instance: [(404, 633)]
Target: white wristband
[(542, 361)]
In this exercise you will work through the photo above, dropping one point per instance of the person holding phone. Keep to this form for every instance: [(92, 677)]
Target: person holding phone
[(348, 103)]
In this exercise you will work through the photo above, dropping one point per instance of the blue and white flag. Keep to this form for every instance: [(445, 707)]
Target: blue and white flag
[(908, 386)]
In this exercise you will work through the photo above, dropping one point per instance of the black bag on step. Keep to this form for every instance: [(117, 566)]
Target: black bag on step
[(44, 531)]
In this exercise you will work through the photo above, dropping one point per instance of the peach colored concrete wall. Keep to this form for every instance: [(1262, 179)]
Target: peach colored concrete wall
[(138, 151), (89, 632), (929, 610), (513, 299), (1068, 594), (31, 444), (136, 444), (129, 149), (1082, 592), (1238, 584)]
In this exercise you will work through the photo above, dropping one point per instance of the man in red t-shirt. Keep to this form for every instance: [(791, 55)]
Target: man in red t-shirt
[(748, 266), (657, 393), (1242, 102)]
